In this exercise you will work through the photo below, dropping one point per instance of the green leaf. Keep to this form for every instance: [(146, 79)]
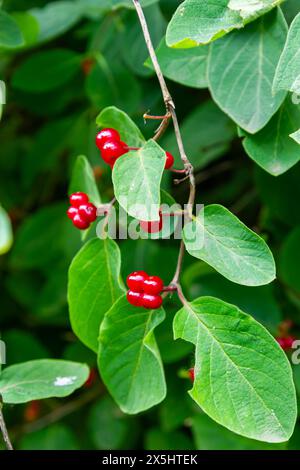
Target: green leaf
[(46, 70), (108, 427), (185, 66), (135, 55), (94, 286), (106, 84), (241, 71), (243, 378), (281, 195), (10, 34), (206, 132), (44, 378), (29, 27), (211, 436), (287, 75), (54, 437), (273, 148), (83, 179), (136, 177), (129, 359), (296, 136), (6, 233), (220, 239), (197, 22), (117, 119), (29, 347), (34, 246), (199, 279), (56, 18), (251, 9)]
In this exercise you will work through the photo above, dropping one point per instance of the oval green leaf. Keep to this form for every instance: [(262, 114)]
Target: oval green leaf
[(136, 177), (220, 239), (241, 70), (39, 379), (129, 360), (243, 379), (94, 286)]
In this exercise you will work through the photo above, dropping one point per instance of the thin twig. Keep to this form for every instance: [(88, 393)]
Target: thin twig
[(170, 109), (3, 429)]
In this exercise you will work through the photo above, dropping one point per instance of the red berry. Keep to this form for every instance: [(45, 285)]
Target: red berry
[(152, 227), (153, 285), (135, 298), (112, 150), (71, 212), (135, 281), (80, 223), (105, 135), (32, 411), (286, 343), (191, 373), (77, 199), (169, 161), (151, 301), (88, 212)]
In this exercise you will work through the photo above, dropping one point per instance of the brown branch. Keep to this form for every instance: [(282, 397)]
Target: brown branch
[(3, 429), (170, 110)]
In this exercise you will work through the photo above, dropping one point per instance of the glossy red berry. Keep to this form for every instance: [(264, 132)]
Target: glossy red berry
[(135, 281), (134, 298), (88, 212), (191, 373), (77, 199), (151, 301), (169, 161), (71, 212), (112, 150), (152, 227), (105, 135), (80, 223), (286, 343), (153, 285)]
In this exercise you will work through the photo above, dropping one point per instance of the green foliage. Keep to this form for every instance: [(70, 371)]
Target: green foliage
[(46, 71), (129, 359), (136, 179), (245, 92), (230, 368), (233, 73), (94, 274), (35, 380), (217, 237)]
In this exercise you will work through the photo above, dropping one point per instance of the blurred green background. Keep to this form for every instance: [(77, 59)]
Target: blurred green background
[(71, 60)]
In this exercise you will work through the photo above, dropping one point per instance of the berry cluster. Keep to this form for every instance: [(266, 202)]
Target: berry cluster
[(286, 343), (82, 212), (144, 290), (111, 147)]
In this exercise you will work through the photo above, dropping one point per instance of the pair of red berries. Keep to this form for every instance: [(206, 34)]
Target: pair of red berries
[(144, 290), (111, 147), (286, 343), (82, 212)]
